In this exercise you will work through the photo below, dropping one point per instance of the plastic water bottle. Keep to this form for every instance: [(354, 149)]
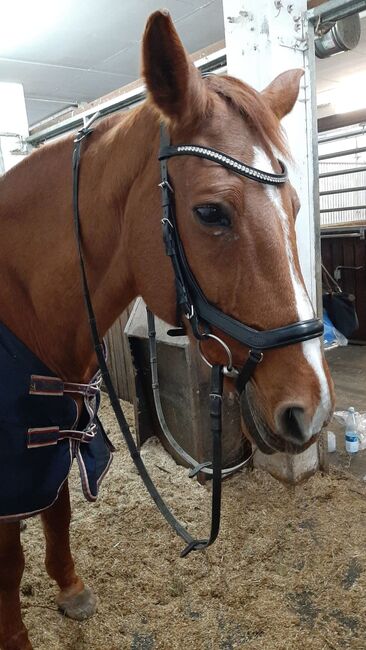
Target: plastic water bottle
[(351, 437), (332, 442)]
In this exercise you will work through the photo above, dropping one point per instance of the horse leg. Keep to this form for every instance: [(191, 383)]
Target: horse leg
[(13, 633), (74, 599)]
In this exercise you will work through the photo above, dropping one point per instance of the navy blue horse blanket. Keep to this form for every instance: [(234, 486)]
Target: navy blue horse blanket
[(41, 433)]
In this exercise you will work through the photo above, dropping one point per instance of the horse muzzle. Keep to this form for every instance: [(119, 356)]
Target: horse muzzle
[(290, 436)]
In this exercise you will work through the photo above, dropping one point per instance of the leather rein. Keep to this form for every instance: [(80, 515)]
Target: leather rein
[(201, 314)]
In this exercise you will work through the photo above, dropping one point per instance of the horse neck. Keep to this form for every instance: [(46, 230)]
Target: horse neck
[(42, 302)]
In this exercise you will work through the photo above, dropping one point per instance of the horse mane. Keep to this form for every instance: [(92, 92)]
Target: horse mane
[(252, 106)]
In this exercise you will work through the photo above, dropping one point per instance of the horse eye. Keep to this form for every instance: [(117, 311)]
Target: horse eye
[(212, 215)]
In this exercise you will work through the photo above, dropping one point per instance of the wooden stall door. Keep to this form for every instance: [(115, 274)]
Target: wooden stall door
[(344, 250), (119, 358)]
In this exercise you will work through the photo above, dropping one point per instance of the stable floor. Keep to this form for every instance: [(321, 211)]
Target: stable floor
[(288, 571), (348, 368)]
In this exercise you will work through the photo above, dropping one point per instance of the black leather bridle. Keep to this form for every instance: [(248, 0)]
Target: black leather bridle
[(201, 314), (191, 301)]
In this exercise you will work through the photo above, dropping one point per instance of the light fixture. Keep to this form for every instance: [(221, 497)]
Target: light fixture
[(342, 36)]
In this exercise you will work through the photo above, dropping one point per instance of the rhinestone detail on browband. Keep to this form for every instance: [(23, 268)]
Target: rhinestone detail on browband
[(234, 164)]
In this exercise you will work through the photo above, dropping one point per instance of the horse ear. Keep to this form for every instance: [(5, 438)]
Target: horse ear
[(174, 84), (282, 92)]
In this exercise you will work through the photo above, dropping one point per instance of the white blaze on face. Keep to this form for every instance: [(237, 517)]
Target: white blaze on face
[(311, 349)]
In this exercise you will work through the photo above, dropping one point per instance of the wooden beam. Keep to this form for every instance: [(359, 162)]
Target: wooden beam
[(315, 3), (341, 120)]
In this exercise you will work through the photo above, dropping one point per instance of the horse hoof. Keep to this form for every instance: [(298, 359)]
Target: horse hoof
[(80, 606)]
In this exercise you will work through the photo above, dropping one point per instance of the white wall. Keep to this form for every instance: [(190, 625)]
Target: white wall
[(13, 120), (262, 41)]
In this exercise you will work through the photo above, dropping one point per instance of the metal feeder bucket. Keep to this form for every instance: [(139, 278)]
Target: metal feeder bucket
[(184, 386)]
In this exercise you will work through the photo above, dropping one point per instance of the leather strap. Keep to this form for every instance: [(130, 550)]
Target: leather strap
[(55, 387), (183, 301), (255, 357), (216, 429), (46, 436), (192, 543)]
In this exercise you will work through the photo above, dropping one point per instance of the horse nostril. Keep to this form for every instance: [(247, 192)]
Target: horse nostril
[(293, 424)]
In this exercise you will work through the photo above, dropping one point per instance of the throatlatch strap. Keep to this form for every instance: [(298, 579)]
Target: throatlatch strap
[(193, 544)]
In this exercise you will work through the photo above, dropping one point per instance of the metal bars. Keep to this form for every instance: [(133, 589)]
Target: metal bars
[(335, 10), (342, 135), (342, 190), (340, 172), (344, 208), (338, 154), (343, 184)]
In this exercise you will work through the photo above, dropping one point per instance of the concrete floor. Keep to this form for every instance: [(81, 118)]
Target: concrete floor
[(348, 368)]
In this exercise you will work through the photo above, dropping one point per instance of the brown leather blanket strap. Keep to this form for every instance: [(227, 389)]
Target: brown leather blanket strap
[(215, 393)]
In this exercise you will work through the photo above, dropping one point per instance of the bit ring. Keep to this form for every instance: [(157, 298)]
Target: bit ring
[(228, 370)]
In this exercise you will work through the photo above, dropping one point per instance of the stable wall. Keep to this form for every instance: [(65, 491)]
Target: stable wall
[(13, 124)]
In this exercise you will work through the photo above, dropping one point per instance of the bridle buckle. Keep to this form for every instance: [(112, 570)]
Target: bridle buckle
[(165, 185), (166, 220)]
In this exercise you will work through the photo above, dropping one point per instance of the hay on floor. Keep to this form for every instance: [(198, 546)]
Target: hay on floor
[(287, 572)]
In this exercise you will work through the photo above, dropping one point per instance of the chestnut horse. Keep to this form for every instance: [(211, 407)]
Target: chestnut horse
[(238, 235)]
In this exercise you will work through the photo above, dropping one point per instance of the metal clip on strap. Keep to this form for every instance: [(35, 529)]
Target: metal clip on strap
[(85, 130)]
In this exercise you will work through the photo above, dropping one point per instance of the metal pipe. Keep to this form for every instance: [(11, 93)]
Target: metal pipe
[(343, 190), (343, 209), (338, 154), (312, 130), (121, 103), (335, 10), (53, 101), (212, 63), (6, 134), (340, 234), (342, 136), (341, 172)]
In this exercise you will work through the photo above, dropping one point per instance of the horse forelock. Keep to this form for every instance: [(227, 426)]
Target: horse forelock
[(251, 106)]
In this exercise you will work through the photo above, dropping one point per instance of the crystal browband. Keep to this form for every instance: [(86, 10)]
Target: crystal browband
[(226, 161)]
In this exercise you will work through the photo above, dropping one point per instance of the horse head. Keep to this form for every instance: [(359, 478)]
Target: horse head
[(239, 235)]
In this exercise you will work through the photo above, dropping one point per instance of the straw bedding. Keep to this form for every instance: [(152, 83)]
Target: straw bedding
[(287, 572)]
